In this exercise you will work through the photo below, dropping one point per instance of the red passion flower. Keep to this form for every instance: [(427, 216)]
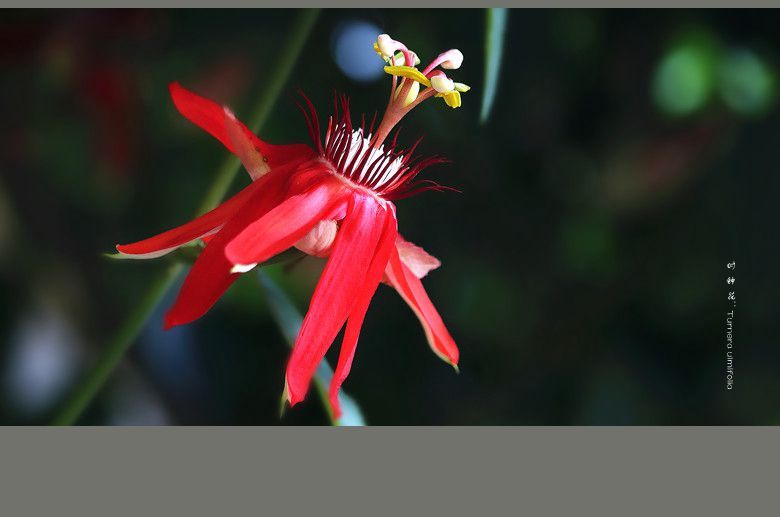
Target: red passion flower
[(333, 199)]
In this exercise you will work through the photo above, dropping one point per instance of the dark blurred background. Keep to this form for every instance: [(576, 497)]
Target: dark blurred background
[(630, 156)]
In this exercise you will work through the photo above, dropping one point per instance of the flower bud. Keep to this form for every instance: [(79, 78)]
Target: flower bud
[(319, 241)]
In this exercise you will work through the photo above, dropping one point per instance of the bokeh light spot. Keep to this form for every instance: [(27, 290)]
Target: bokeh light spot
[(684, 79), (353, 51), (746, 83)]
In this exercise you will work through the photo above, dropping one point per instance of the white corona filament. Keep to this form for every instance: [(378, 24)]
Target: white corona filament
[(358, 147)]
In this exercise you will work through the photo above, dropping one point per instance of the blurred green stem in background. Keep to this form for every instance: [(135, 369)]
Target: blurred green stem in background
[(75, 405), (116, 348)]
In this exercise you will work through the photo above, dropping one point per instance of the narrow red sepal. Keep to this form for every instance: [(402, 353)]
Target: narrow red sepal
[(355, 321), (412, 291), (337, 290), (212, 118)]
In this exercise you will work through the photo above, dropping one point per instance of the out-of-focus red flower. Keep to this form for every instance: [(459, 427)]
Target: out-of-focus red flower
[(108, 90), (333, 200)]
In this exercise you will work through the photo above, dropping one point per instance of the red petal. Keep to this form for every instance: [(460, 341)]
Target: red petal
[(355, 321), (338, 288), (412, 291), (204, 225), (211, 117), (419, 261), (210, 276), (287, 223), (245, 149)]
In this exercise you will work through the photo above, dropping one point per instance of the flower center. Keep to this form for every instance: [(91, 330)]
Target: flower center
[(352, 156), (384, 170)]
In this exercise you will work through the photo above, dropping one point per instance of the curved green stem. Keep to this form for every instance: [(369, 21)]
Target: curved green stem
[(115, 350)]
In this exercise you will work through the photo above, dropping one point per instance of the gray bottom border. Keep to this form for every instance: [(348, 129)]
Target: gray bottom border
[(389, 470)]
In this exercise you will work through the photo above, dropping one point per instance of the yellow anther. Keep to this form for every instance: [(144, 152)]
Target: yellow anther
[(451, 98), (462, 87), (409, 73)]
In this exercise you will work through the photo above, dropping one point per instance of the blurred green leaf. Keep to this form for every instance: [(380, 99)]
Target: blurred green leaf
[(747, 85), (289, 320), (494, 51), (685, 77)]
